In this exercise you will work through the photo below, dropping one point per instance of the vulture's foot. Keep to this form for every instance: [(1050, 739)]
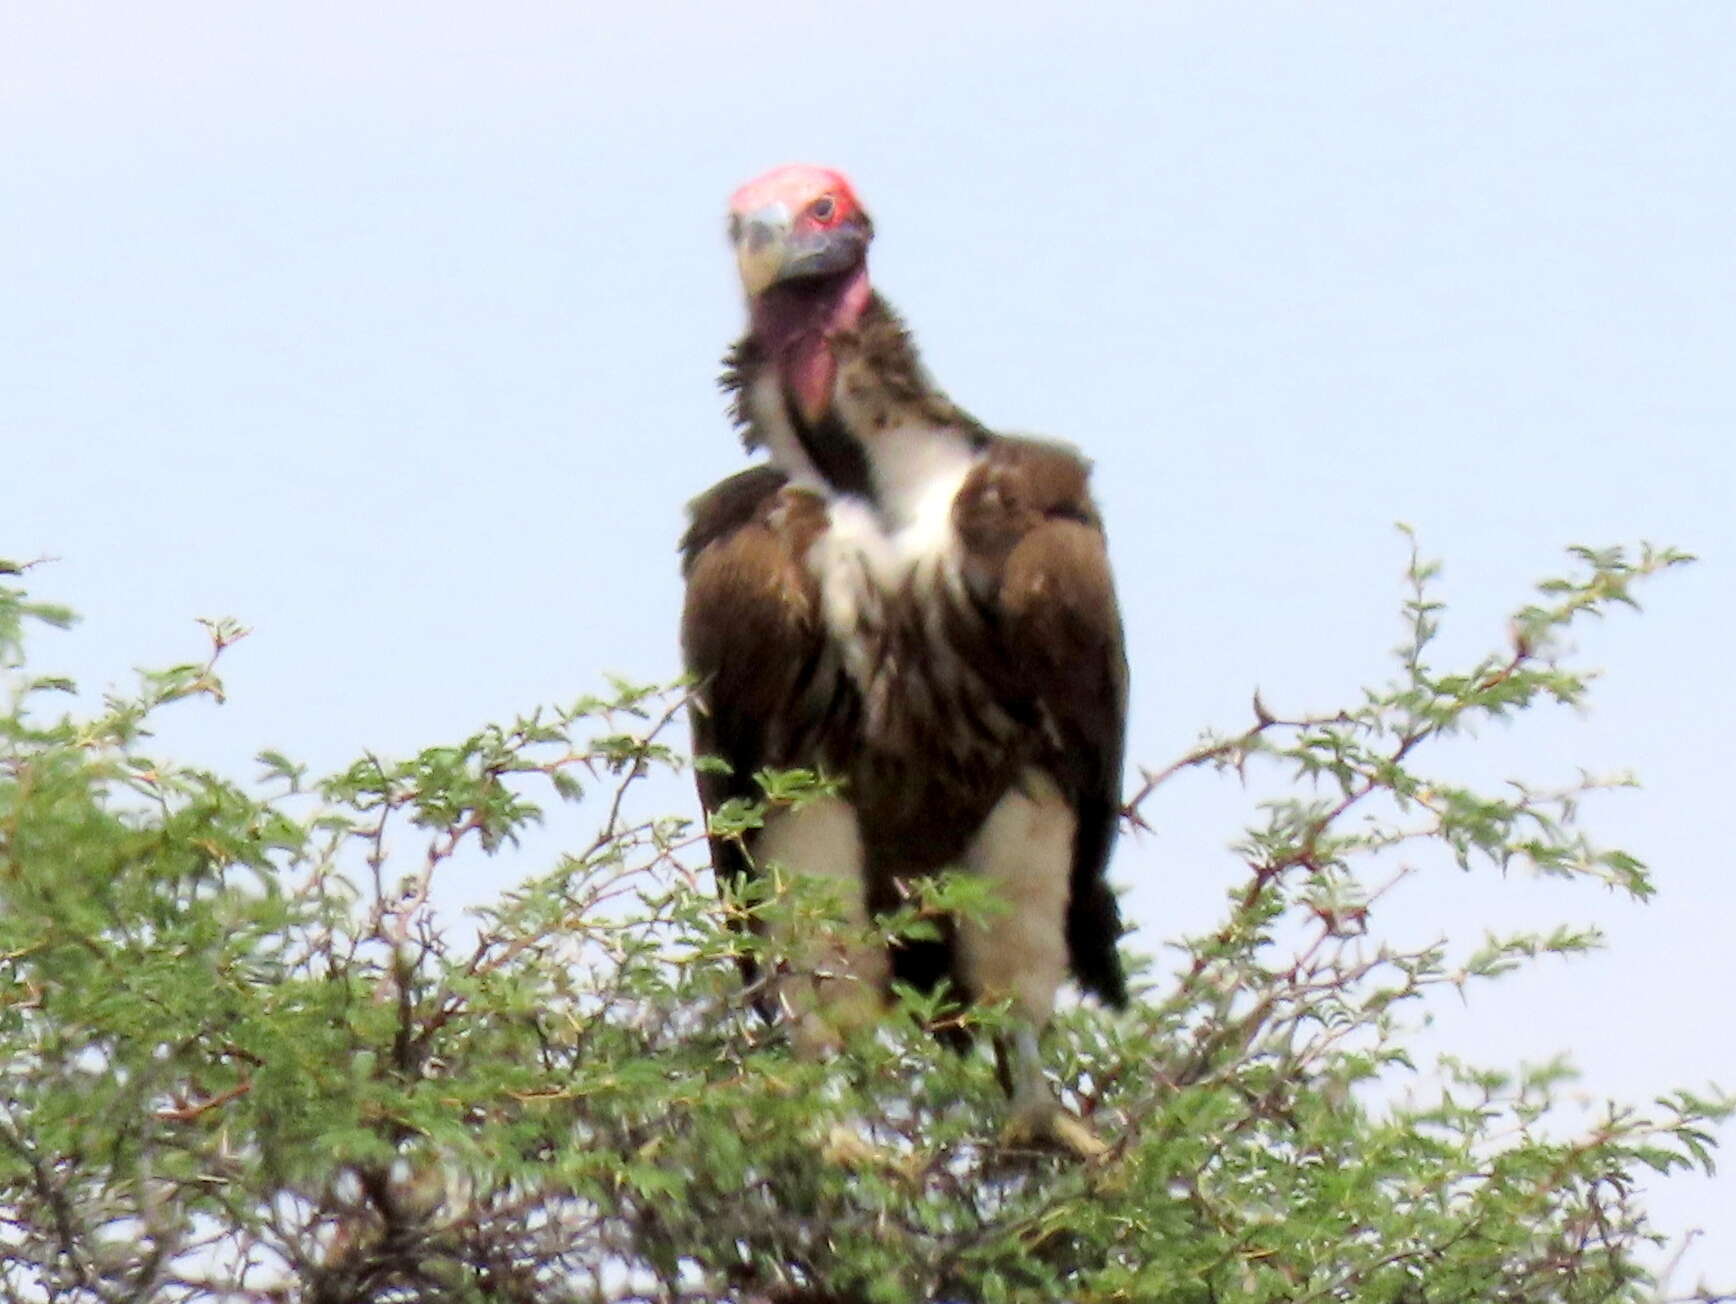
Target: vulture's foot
[(1049, 1125), (1038, 1120), (847, 1148)]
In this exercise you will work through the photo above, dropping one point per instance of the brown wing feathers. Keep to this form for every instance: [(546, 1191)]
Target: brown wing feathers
[(1036, 561), (750, 629)]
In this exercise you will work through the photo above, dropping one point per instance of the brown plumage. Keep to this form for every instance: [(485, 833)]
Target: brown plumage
[(910, 602)]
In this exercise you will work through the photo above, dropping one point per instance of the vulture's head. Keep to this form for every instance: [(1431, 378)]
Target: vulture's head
[(800, 227)]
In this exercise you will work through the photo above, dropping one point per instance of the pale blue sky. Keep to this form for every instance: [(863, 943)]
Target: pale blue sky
[(391, 330)]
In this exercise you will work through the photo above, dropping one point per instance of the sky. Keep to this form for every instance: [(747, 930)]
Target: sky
[(392, 331)]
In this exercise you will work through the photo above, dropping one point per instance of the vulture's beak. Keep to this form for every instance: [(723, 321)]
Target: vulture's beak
[(769, 250)]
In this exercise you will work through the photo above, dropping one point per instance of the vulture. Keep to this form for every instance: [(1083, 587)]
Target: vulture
[(921, 608)]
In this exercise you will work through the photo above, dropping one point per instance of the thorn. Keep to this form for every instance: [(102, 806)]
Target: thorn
[(1261, 714)]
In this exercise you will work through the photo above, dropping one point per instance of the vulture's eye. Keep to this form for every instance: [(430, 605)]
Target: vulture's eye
[(823, 208)]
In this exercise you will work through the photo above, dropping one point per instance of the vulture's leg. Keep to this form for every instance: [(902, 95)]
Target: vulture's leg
[(1025, 850), (835, 986)]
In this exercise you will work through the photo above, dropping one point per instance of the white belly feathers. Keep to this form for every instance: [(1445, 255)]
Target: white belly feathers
[(889, 570), (885, 569)]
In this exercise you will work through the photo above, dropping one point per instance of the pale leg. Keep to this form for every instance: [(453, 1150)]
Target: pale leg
[(1025, 850), (836, 986)]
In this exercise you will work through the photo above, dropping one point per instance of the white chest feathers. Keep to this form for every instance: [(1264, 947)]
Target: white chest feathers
[(887, 569)]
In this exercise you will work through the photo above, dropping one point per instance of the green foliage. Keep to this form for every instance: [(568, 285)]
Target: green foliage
[(246, 1060)]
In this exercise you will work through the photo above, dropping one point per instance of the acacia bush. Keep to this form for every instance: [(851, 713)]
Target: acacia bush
[(246, 1059)]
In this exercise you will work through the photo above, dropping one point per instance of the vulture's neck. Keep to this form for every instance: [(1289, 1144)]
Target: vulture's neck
[(883, 439), (793, 324)]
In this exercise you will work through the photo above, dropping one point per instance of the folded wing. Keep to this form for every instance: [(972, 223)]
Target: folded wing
[(1037, 569)]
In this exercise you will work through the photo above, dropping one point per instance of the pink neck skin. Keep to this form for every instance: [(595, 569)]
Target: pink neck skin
[(794, 322)]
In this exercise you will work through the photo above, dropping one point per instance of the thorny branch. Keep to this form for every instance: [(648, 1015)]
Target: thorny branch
[(576, 1106)]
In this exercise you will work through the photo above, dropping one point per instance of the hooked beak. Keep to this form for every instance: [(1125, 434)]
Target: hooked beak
[(769, 250)]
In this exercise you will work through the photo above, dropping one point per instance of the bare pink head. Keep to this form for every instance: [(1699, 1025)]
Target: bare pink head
[(801, 245), (796, 223)]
